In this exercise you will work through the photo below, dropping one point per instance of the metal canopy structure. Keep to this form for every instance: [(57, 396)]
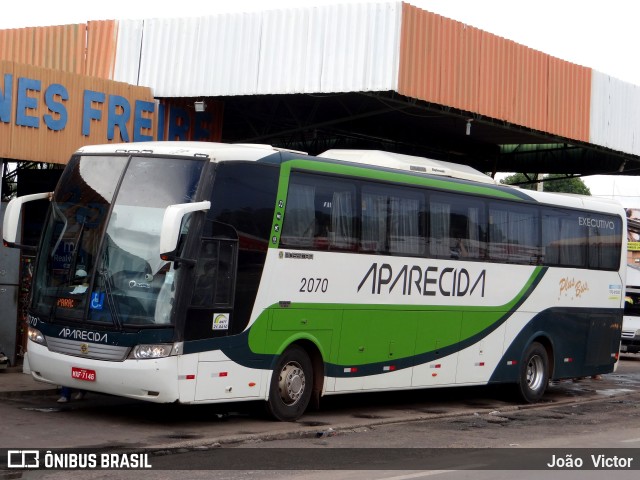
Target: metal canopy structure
[(389, 121), (381, 75)]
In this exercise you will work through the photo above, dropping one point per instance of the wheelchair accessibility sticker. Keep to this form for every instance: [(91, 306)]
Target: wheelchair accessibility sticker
[(97, 300)]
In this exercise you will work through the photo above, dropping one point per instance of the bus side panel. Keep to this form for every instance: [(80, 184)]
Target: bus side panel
[(380, 337), (583, 341), (476, 363), (227, 381), (437, 330)]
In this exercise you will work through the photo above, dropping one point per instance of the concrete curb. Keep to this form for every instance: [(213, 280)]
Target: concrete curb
[(313, 431)]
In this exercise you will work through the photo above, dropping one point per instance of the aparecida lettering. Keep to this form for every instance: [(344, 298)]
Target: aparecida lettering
[(427, 281), (83, 335)]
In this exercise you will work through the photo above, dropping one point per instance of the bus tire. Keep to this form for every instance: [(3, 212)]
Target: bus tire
[(534, 374), (291, 385)]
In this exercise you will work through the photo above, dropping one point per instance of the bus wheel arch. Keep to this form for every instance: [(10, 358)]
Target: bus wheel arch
[(535, 371), (296, 381)]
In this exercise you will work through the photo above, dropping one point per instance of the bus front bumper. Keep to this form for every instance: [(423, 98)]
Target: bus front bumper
[(154, 380)]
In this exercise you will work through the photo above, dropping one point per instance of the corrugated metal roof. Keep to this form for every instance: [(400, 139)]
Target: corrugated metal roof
[(59, 47), (101, 43), (615, 113), (449, 63), (569, 99), (84, 49), (342, 48)]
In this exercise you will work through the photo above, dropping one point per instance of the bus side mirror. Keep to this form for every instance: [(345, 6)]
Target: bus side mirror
[(12, 218), (171, 224)]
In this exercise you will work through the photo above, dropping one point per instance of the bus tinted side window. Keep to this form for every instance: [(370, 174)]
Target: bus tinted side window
[(514, 234), (604, 242), (457, 226), (564, 241), (320, 213), (581, 239), (392, 220)]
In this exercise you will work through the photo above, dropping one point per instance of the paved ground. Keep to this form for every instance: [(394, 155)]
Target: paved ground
[(14, 382)]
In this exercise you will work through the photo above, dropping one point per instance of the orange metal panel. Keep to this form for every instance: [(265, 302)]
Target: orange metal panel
[(497, 77), (460, 45), (6, 68), (569, 99), (58, 47), (446, 62), (419, 72), (84, 49), (531, 89), (101, 48), (439, 59)]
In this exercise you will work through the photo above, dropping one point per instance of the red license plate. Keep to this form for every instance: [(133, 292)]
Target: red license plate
[(83, 374)]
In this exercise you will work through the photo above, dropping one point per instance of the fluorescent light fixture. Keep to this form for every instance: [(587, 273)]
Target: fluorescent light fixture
[(200, 106)]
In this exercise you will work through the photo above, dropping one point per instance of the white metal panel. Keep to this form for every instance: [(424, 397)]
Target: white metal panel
[(361, 47), (215, 55), (615, 113), (128, 47), (350, 47), (288, 63)]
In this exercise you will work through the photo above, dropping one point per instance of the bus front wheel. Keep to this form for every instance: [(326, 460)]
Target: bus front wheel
[(534, 374), (291, 385)]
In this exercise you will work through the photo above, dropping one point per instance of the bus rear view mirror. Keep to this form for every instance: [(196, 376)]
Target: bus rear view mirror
[(11, 221), (172, 224)]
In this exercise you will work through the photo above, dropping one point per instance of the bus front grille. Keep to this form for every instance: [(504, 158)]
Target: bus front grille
[(95, 351)]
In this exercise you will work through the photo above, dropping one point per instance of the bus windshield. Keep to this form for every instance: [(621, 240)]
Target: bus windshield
[(99, 259)]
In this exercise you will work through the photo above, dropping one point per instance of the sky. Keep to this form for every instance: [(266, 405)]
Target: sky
[(593, 33)]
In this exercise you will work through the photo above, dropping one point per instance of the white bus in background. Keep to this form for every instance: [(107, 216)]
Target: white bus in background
[(210, 273), (630, 339)]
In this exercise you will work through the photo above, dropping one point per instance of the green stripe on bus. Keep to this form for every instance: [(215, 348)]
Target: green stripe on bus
[(358, 334)]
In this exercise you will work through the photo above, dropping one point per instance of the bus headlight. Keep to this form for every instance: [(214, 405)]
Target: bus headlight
[(36, 336), (159, 350)]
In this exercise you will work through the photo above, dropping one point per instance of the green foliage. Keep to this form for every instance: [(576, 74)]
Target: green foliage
[(563, 185), (518, 178)]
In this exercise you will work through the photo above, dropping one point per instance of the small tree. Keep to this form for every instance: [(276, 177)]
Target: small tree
[(563, 185), (518, 178)]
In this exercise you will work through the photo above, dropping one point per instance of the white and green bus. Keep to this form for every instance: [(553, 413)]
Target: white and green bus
[(203, 273)]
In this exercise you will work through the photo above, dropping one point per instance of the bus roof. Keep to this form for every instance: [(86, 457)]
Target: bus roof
[(373, 158), (409, 163), (211, 150)]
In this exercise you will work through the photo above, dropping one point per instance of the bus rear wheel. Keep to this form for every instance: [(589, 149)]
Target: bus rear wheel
[(534, 374), (291, 385)]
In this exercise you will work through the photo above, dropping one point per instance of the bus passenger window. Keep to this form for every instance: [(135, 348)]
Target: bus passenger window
[(514, 234), (320, 213), (392, 220), (563, 240), (300, 216), (457, 227)]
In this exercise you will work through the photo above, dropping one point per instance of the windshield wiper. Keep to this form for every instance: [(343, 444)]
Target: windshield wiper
[(108, 286), (72, 275), (58, 213)]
